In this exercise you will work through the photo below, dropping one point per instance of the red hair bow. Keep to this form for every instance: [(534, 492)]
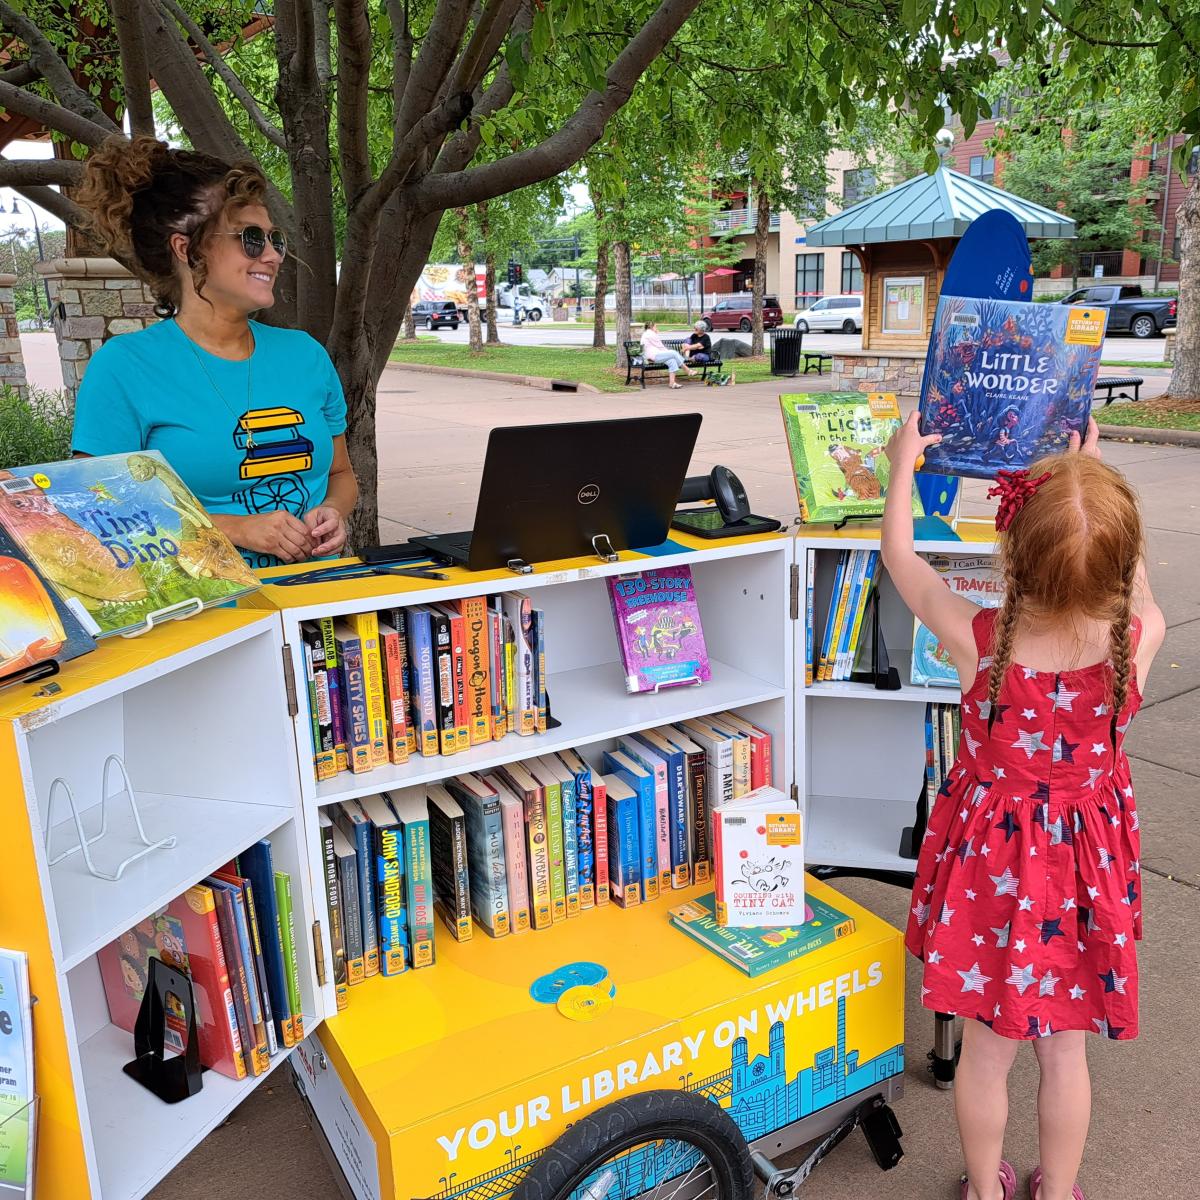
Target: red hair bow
[(1013, 488)]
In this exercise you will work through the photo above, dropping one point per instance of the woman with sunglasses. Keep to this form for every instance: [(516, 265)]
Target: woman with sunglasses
[(251, 416)]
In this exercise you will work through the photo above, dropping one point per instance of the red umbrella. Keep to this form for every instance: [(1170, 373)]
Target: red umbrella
[(720, 271)]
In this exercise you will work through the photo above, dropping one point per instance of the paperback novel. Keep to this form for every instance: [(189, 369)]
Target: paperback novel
[(122, 535), (658, 629), (1007, 382)]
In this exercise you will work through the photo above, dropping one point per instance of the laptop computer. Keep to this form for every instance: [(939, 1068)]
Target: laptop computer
[(564, 490)]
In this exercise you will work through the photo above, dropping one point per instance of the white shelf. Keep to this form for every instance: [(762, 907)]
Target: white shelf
[(846, 831), (92, 912), (864, 691), (137, 1137), (591, 703)]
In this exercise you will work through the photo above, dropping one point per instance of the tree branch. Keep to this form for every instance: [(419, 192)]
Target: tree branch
[(216, 60), (438, 48), (354, 68), (489, 32), (53, 116), (56, 203), (20, 74), (402, 49), (578, 134), (64, 172), (53, 70), (322, 48), (135, 67)]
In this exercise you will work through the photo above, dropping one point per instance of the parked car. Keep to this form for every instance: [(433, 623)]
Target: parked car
[(436, 314), (1128, 310), (735, 313), (832, 313)]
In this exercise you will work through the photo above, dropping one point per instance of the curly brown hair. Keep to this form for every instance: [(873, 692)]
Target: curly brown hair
[(138, 193), (1072, 550)]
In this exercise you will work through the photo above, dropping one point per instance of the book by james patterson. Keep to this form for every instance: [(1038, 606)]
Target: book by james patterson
[(836, 440), (448, 860), (657, 619), (975, 578), (1007, 382)]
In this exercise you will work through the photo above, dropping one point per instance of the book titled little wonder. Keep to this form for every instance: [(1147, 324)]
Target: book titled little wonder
[(658, 629), (756, 951), (836, 442)]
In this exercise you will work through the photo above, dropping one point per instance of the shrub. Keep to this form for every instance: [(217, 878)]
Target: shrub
[(34, 429)]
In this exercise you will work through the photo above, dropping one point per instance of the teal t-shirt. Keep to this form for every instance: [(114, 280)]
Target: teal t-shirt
[(247, 437)]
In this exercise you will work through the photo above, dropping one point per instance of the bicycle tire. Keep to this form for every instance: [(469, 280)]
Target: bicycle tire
[(669, 1114)]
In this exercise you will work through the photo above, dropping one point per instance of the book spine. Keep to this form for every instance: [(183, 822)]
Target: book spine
[(225, 983), (478, 647), (554, 828), (809, 631), (389, 900), (418, 875), (458, 647), (510, 678), (354, 703), (624, 850), (324, 754), (333, 680), (356, 964), (515, 866), (369, 918), (860, 609), (287, 924), (543, 702), (858, 565), (260, 968), (849, 576), (256, 864), (930, 776), (496, 676), (662, 826), (443, 652), (394, 696), (423, 682), (262, 1057), (448, 862), (333, 903), (520, 613), (491, 910), (570, 831), (538, 857), (719, 871), (366, 626), (831, 617), (643, 787), (400, 623), (681, 870), (600, 837), (766, 748), (237, 978), (585, 849), (698, 795)]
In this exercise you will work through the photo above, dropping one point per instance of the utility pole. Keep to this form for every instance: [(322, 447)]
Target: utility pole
[(37, 233)]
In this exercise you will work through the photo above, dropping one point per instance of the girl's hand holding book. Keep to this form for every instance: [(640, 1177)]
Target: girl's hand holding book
[(907, 445), (1088, 445)]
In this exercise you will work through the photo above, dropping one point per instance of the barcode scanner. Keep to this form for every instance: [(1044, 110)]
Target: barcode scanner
[(732, 516)]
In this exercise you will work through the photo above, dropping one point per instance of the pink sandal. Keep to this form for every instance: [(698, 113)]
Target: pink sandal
[(1035, 1186), (1008, 1182)]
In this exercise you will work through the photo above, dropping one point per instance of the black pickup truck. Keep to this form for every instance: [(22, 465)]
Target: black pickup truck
[(1128, 310)]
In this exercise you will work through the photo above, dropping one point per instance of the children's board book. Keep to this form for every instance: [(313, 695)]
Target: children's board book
[(36, 624), (758, 861), (122, 535), (1007, 382), (977, 580), (836, 441), (18, 1120), (658, 628), (756, 951)]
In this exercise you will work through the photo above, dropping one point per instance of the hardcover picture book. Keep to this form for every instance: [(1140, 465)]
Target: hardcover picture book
[(756, 951), (1006, 382), (122, 535), (758, 861), (977, 580), (658, 627), (836, 442)]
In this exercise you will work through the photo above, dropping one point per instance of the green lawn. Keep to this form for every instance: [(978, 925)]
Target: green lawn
[(1146, 416), (581, 365), (1130, 362)]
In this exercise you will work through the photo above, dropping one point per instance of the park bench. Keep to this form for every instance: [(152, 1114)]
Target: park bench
[(635, 360), (815, 358), (1110, 383)]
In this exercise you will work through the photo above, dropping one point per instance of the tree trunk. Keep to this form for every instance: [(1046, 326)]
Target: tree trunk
[(489, 274), (466, 252), (410, 325), (599, 331), (1185, 377), (359, 383), (624, 298), (762, 226)]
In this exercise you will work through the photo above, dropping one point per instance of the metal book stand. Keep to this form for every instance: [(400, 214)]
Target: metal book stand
[(172, 612), (170, 1079), (85, 843)]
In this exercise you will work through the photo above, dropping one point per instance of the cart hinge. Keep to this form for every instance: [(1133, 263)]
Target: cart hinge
[(289, 681), (794, 792), (319, 951), (794, 591)]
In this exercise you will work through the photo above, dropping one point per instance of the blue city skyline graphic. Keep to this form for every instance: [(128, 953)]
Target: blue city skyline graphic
[(755, 1092)]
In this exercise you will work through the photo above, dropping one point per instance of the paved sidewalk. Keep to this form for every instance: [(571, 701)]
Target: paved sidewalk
[(1144, 1141)]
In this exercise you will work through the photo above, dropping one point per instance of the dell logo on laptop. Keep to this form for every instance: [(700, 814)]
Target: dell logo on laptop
[(588, 494)]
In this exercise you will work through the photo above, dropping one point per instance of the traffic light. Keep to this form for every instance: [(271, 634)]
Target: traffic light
[(518, 273), (512, 272)]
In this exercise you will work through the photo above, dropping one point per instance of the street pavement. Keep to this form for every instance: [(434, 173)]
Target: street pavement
[(1144, 1140)]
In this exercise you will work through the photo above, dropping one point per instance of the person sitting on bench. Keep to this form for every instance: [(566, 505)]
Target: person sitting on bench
[(698, 348), (656, 350)]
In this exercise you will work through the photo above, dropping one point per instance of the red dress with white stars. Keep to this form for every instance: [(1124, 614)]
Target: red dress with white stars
[(1027, 901)]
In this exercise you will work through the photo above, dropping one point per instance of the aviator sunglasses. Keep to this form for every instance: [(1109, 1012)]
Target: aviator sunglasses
[(255, 239)]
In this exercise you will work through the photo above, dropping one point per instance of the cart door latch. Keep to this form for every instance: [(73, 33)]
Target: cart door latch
[(319, 951), (289, 681), (794, 591)]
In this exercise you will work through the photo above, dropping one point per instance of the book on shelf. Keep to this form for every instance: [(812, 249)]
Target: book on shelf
[(758, 861), (674, 763), (346, 857), (718, 763), (291, 959), (657, 619), (836, 442), (762, 769), (516, 868), (624, 841), (552, 778), (235, 937), (809, 630), (584, 817), (641, 781), (741, 751), (354, 823), (522, 653), (448, 860), (695, 760), (411, 806), (387, 880), (336, 686), (485, 852), (37, 625), (400, 742), (547, 881), (854, 579), (256, 864), (365, 626), (974, 577), (333, 902), (353, 691), (756, 951), (316, 671), (1007, 382), (422, 681), (123, 536)]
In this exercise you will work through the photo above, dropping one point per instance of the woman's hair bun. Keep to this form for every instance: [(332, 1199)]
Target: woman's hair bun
[(112, 175)]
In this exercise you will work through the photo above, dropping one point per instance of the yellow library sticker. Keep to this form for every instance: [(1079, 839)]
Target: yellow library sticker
[(883, 404), (585, 1002), (783, 829), (1085, 327), (43, 481)]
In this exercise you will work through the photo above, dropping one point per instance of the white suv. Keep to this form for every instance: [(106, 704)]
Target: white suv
[(843, 313)]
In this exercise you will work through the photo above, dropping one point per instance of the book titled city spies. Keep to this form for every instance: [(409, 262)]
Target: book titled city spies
[(1007, 382)]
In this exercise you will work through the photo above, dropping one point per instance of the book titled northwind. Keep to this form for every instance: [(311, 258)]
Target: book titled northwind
[(1007, 382)]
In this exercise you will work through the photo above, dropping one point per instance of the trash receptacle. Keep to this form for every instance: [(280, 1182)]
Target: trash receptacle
[(785, 351)]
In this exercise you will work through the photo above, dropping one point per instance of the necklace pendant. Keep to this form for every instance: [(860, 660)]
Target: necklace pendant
[(250, 443)]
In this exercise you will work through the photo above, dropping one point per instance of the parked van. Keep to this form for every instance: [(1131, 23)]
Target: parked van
[(833, 313), (734, 313)]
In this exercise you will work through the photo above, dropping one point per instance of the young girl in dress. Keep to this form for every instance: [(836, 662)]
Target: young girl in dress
[(1027, 901)]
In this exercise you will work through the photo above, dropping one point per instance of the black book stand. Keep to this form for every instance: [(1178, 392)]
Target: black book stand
[(170, 1079), (882, 675)]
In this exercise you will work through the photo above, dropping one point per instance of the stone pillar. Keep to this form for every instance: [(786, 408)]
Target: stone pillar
[(93, 299), (12, 364)]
